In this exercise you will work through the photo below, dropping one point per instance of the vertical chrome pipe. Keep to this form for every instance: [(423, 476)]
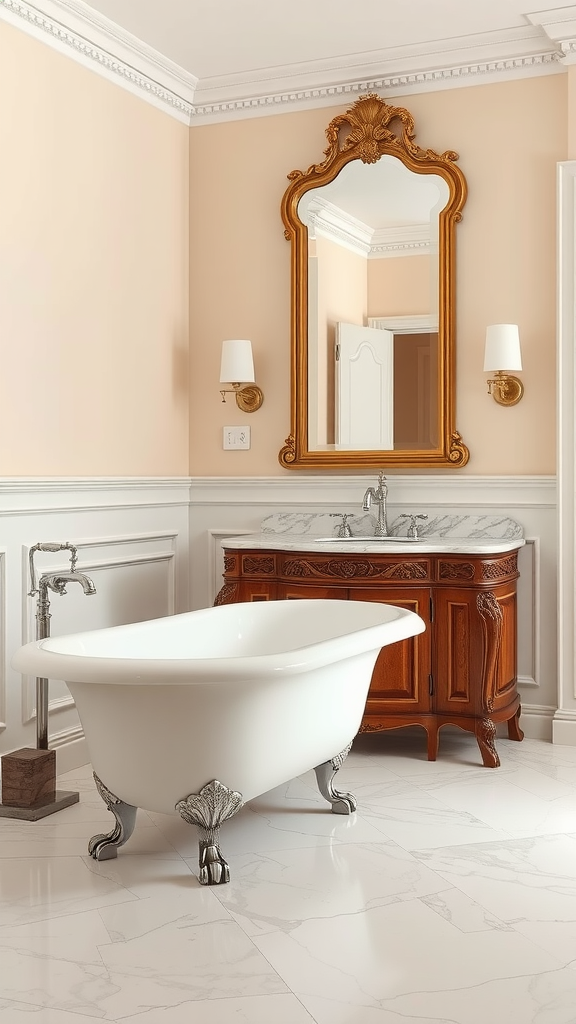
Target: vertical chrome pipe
[(41, 714), (42, 631)]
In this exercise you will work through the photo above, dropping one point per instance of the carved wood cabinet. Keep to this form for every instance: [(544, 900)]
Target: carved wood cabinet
[(460, 671)]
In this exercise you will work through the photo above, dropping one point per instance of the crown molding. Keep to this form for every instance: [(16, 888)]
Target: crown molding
[(533, 65), (77, 31), (73, 28), (327, 220), (407, 240)]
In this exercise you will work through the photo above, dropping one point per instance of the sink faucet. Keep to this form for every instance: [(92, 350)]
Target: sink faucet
[(379, 495)]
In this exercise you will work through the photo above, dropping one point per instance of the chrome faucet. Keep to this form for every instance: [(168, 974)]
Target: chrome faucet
[(379, 495), (57, 582)]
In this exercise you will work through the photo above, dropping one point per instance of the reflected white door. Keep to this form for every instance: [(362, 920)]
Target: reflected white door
[(364, 387)]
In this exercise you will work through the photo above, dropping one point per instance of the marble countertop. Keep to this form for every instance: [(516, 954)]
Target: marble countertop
[(366, 545), (458, 534), (447, 534)]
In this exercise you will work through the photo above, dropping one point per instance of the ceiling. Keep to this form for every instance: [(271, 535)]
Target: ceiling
[(226, 58), (265, 39)]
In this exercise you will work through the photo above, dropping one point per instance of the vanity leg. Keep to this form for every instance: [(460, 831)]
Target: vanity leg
[(105, 847), (207, 810), (432, 733), (342, 803), (514, 730), (485, 734)]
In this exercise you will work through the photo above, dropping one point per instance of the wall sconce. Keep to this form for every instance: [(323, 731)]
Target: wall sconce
[(237, 368), (501, 355)]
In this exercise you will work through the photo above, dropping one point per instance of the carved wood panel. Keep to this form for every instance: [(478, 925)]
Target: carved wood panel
[(258, 565), (498, 570), (455, 571), (347, 568)]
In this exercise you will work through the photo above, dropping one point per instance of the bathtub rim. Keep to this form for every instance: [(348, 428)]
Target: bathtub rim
[(36, 658)]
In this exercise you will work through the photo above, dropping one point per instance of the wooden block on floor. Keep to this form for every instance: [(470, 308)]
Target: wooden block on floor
[(28, 777)]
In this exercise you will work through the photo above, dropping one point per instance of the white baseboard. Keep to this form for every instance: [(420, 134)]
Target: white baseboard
[(71, 750), (564, 728)]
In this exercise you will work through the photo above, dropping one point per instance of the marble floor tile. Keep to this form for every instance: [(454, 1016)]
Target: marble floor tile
[(529, 884), (277, 1009), (448, 897), (389, 954), (278, 891), (36, 889)]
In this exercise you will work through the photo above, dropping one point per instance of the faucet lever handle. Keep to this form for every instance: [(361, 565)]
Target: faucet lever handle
[(344, 528), (413, 526)]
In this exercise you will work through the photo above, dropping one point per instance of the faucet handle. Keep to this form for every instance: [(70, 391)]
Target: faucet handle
[(344, 528), (413, 526)]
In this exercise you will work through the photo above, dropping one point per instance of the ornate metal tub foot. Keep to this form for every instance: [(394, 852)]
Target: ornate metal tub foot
[(207, 810), (105, 847), (342, 803)]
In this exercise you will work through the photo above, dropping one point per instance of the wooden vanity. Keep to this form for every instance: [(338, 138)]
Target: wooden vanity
[(460, 671)]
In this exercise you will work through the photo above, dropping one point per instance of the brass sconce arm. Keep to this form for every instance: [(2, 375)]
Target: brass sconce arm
[(505, 389), (248, 398)]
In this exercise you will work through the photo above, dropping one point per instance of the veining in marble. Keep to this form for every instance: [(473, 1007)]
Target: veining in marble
[(322, 524), (457, 534), (447, 897)]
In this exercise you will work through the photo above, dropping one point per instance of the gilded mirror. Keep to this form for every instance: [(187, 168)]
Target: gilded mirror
[(372, 233)]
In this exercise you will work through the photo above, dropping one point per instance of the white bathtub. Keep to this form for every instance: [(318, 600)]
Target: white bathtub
[(241, 697)]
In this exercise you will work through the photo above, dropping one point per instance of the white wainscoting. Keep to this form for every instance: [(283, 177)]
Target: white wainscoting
[(225, 507), (132, 540)]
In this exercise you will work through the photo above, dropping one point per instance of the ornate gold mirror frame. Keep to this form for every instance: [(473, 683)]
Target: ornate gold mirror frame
[(364, 133)]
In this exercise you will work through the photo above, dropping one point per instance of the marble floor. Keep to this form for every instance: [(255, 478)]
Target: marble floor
[(448, 898)]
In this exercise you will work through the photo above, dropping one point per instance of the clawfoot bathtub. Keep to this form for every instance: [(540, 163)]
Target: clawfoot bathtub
[(200, 712)]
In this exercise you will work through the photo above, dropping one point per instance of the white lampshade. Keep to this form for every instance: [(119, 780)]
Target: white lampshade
[(502, 348), (237, 364)]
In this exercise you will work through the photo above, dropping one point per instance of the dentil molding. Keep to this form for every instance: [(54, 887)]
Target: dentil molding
[(76, 30)]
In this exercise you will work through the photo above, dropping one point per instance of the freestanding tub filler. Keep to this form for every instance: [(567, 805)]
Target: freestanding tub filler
[(201, 712)]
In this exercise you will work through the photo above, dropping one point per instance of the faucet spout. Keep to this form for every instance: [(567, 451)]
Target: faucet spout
[(58, 581), (379, 496)]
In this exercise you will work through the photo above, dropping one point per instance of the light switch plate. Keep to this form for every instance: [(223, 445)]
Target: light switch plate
[(235, 438)]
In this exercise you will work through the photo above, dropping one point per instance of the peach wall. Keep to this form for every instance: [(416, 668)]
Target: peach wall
[(93, 270), (401, 286), (509, 136)]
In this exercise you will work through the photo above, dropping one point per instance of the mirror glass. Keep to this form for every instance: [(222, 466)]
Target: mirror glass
[(372, 297)]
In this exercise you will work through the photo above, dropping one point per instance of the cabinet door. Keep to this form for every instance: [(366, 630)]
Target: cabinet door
[(474, 666), (458, 658), (400, 681)]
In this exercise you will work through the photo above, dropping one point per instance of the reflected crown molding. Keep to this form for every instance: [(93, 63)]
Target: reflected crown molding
[(326, 220), (78, 31)]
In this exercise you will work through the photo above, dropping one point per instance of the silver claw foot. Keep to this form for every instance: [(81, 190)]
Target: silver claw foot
[(342, 803), (105, 847), (207, 810)]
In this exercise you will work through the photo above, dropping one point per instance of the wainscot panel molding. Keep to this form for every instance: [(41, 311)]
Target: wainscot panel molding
[(86, 36), (133, 541), (228, 506)]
